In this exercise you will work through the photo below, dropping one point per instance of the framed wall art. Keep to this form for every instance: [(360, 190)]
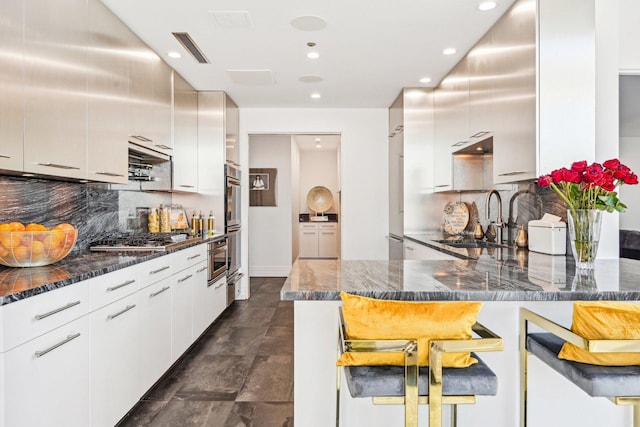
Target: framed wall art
[(262, 186)]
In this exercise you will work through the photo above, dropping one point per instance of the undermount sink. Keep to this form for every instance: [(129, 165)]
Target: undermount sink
[(470, 243)]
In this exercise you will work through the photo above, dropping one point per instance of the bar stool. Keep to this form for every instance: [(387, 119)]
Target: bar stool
[(620, 384), (412, 385)]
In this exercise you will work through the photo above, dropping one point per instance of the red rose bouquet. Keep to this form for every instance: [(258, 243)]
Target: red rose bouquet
[(590, 186)]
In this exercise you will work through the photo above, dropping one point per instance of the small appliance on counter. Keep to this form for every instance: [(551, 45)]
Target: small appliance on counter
[(548, 235)]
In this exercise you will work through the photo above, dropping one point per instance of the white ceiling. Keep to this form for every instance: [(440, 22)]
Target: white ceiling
[(369, 49)]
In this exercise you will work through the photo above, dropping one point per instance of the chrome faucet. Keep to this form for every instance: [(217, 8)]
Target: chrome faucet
[(498, 224), (511, 221)]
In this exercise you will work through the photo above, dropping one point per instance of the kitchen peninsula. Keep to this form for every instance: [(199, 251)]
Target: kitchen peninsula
[(503, 278)]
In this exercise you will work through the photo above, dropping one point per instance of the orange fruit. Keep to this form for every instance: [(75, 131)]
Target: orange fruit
[(5, 227), (21, 253), (37, 248), (35, 227), (16, 226), (10, 240), (3, 252), (65, 226)]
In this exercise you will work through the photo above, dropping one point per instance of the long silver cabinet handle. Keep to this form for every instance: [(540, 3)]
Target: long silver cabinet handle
[(4, 156), (512, 173), (57, 310), (155, 294), (164, 147), (193, 257), (41, 353), (200, 270), (219, 286), (124, 310), (109, 174), (442, 185), (186, 186), (185, 278), (409, 248), (141, 138), (160, 269), (122, 285), (56, 165)]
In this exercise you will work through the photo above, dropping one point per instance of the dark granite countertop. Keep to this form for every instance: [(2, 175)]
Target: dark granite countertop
[(20, 283), (481, 274)]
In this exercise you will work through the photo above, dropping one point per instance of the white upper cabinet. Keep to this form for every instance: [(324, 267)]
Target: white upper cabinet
[(107, 104), (396, 166), (56, 69), (481, 73), (162, 96), (185, 136), (11, 85), (232, 131)]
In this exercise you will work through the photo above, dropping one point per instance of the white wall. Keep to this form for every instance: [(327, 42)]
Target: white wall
[(318, 168), (363, 166), (630, 195), (295, 199), (270, 226), (629, 35)]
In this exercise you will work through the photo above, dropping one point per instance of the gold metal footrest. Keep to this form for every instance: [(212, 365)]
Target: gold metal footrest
[(424, 400), (626, 400)]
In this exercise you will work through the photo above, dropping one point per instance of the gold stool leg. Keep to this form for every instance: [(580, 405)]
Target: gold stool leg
[(411, 388), (435, 386), (454, 415), (636, 416), (523, 372)]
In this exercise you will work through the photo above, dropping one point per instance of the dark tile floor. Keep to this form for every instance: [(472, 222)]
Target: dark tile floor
[(239, 373)]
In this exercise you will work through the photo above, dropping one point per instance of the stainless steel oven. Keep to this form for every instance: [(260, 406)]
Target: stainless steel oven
[(217, 259), (232, 197), (233, 263)]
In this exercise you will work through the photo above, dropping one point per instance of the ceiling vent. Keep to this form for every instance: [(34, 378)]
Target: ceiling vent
[(252, 77), (187, 42), (231, 19)]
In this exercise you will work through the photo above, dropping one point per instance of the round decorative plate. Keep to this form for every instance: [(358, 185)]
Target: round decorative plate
[(455, 217), (319, 199)]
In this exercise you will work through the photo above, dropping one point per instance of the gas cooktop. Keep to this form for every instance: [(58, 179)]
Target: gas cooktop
[(158, 242)]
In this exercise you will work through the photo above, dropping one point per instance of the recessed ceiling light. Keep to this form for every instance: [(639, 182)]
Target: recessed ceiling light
[(449, 51), (315, 96), (487, 5), (174, 55), (313, 55), (425, 80)]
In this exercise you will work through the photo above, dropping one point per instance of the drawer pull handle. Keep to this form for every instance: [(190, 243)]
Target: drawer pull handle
[(218, 287), (56, 165), (512, 173), (193, 257), (141, 138), (328, 232), (309, 232), (41, 353), (57, 310), (409, 248), (124, 310), (122, 285), (109, 174), (4, 156), (164, 147), (155, 294), (185, 278), (186, 186), (159, 270), (200, 270)]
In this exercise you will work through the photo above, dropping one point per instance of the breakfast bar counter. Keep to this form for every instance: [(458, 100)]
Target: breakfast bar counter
[(505, 279)]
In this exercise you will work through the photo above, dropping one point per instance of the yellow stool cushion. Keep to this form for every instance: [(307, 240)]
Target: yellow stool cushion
[(600, 320), (374, 319)]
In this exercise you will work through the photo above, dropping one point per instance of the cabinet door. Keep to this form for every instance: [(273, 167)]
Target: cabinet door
[(141, 95), (514, 142), (185, 136), (155, 332), (115, 379), (55, 140), (396, 166), (162, 94), (308, 241), (52, 373), (209, 301), (327, 241), (458, 81), (481, 112), (182, 312), (11, 86), (442, 158), (107, 158), (211, 147), (232, 131)]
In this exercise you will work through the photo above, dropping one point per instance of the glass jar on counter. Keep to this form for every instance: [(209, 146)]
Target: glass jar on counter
[(154, 221), (165, 219)]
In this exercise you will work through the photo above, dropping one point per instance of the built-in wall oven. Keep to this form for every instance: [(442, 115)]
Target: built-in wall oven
[(218, 255), (232, 228)]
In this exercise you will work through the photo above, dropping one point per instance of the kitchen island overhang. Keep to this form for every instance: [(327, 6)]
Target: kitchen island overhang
[(315, 285)]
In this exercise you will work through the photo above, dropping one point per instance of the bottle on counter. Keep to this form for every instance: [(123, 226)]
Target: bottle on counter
[(200, 225), (165, 219), (194, 224), (211, 224), (154, 221)]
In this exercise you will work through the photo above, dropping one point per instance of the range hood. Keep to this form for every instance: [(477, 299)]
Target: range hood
[(144, 154), (483, 146), (473, 166)]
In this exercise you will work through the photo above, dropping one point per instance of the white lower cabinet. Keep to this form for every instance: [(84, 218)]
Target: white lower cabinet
[(318, 240), (155, 332), (182, 312), (47, 382), (115, 379), (209, 301)]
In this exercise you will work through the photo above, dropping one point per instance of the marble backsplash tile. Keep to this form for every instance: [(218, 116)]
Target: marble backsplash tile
[(92, 208)]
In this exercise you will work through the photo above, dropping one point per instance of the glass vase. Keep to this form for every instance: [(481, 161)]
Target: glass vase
[(584, 236)]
